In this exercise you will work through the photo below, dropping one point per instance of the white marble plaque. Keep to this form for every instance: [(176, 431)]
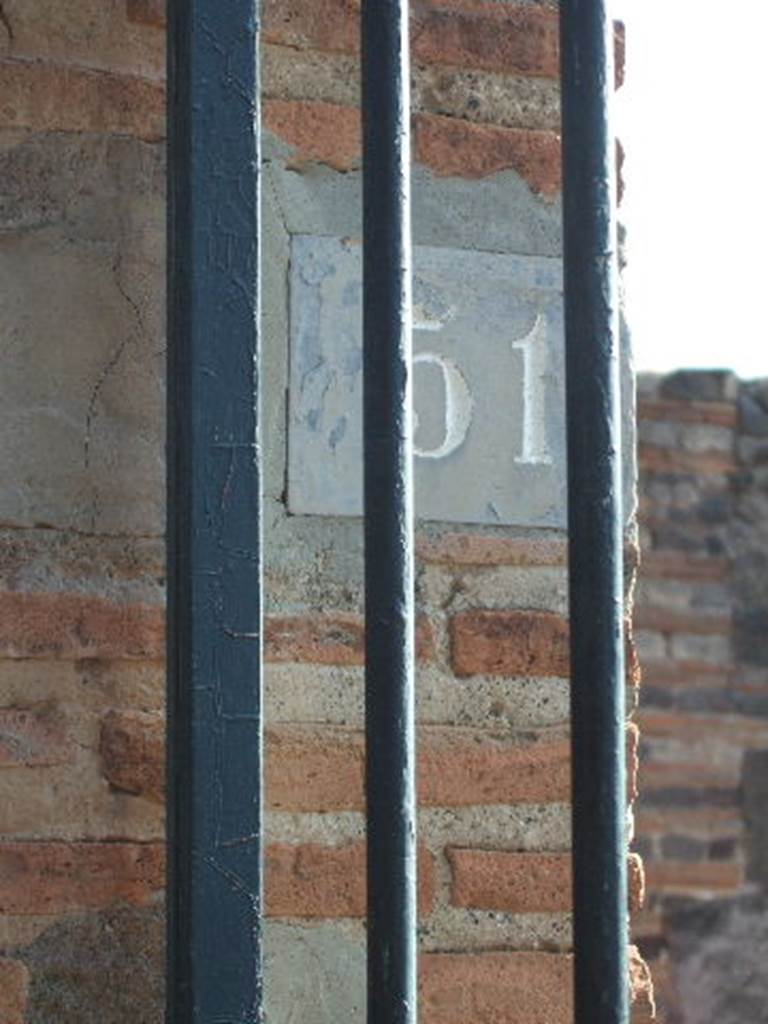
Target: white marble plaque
[(488, 384)]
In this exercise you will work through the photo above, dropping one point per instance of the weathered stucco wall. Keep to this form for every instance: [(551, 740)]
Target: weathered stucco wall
[(701, 613), (81, 623)]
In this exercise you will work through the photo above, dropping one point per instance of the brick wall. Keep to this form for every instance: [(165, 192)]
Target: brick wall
[(701, 613), (81, 605)]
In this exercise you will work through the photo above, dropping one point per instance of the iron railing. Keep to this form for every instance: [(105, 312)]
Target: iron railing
[(215, 767), (214, 516), (595, 519), (388, 504)]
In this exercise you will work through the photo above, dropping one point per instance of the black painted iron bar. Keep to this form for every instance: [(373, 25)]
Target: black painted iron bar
[(595, 520), (390, 743), (214, 970)]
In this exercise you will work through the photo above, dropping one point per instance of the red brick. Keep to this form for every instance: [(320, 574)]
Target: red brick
[(330, 134), (665, 621), (14, 991), (33, 736), (330, 639), (721, 414), (147, 12), (633, 667), (686, 775), (455, 148), (633, 760), (686, 877), (314, 881), (512, 39), (49, 98), (674, 460), (641, 989), (329, 25), (670, 565), (688, 675), (496, 988), (314, 770), (70, 626), (322, 132), (461, 767), (636, 882), (132, 749), (515, 40), (731, 729), (311, 769), (708, 820), (509, 643), (474, 549), (522, 883), (321, 639), (58, 878)]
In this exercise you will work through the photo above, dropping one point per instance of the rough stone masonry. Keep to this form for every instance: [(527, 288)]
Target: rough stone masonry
[(81, 604), (701, 615)]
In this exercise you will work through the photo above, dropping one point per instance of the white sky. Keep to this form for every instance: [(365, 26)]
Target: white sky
[(692, 115)]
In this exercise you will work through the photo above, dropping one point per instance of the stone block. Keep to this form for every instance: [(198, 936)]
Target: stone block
[(518, 988), (753, 415), (68, 626), (484, 452), (755, 789), (700, 386), (510, 643), (132, 750), (715, 650), (74, 803), (316, 973), (524, 883)]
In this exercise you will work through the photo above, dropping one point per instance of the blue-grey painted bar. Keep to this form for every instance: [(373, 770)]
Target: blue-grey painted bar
[(214, 544), (390, 767), (595, 515)]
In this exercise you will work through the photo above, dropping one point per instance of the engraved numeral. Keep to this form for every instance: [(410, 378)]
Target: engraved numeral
[(535, 449), (458, 406)]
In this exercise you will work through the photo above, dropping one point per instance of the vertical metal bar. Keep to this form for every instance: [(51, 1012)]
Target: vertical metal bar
[(214, 542), (390, 743), (595, 515)]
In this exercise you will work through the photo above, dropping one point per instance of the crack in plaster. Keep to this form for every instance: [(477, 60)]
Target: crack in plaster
[(107, 371)]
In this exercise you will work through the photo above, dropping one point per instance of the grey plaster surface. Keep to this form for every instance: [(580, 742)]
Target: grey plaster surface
[(315, 974), (82, 334)]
